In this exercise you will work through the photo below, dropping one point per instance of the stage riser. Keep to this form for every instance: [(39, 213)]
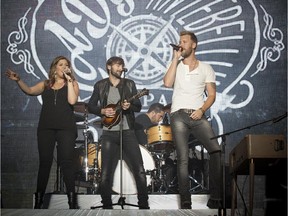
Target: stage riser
[(161, 201)]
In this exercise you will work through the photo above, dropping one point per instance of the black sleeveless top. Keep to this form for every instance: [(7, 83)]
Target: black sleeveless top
[(56, 112)]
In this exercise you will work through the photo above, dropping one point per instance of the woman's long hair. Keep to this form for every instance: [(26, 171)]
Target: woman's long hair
[(51, 76)]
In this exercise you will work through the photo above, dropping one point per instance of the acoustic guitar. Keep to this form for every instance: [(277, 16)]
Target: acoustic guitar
[(109, 122)]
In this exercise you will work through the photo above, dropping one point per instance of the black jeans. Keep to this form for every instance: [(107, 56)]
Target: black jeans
[(182, 126), (110, 154), (65, 150)]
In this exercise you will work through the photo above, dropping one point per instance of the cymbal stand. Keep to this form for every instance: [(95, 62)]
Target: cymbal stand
[(198, 184), (86, 143)]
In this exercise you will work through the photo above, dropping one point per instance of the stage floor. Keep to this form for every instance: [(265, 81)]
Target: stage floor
[(160, 205), (117, 212), (156, 201)]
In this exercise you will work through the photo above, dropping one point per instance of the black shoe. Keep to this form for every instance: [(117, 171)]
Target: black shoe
[(39, 197), (186, 205), (72, 200), (143, 205), (107, 203), (214, 203)]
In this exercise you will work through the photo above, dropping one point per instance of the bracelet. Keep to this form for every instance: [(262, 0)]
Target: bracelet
[(202, 110)]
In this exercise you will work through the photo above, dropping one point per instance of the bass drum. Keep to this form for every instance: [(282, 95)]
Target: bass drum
[(128, 182)]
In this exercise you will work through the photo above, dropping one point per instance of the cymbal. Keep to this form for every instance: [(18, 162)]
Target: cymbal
[(81, 107)]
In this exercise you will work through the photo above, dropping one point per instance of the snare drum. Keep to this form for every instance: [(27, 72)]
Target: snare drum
[(160, 138), (128, 181)]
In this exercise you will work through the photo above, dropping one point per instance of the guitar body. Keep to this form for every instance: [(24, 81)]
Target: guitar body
[(109, 122)]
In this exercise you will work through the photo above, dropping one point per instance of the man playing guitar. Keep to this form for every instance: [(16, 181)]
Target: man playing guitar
[(121, 93)]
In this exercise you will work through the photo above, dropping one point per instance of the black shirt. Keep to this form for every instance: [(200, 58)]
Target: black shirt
[(56, 112)]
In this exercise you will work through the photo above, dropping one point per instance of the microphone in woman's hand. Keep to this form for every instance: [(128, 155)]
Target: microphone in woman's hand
[(68, 72)]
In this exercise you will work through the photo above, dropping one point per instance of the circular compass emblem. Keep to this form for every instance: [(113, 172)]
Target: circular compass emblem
[(143, 42)]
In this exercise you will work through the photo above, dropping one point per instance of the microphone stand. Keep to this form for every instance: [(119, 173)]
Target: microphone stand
[(222, 211), (121, 200)]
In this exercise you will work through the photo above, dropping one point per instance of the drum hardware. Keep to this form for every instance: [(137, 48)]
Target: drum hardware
[(200, 165), (90, 161), (198, 184), (96, 169), (161, 162), (159, 184), (94, 165), (82, 108)]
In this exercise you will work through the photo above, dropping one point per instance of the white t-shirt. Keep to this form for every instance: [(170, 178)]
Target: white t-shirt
[(189, 86)]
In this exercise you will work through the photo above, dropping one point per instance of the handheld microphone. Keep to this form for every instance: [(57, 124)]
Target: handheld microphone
[(175, 47), (124, 70), (67, 72)]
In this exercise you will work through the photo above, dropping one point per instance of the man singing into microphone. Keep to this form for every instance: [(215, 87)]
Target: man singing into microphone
[(190, 78), (107, 93)]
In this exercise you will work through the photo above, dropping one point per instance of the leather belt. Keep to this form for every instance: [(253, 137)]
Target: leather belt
[(188, 111)]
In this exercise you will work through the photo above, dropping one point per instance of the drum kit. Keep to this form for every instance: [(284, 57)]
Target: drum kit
[(159, 166)]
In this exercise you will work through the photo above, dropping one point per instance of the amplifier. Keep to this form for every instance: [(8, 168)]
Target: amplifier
[(263, 148)]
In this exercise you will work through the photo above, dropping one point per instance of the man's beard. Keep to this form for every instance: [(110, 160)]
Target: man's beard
[(186, 53), (115, 74)]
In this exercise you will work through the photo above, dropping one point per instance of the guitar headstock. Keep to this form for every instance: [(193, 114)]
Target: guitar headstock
[(140, 94), (143, 92)]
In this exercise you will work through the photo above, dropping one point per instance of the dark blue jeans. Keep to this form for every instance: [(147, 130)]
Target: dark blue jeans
[(182, 126), (110, 154)]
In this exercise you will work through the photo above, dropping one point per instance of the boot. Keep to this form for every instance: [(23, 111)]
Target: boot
[(143, 203), (72, 200), (38, 200), (185, 202), (107, 203)]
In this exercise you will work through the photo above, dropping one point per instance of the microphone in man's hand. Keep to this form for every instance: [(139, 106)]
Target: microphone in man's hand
[(124, 70), (175, 47)]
